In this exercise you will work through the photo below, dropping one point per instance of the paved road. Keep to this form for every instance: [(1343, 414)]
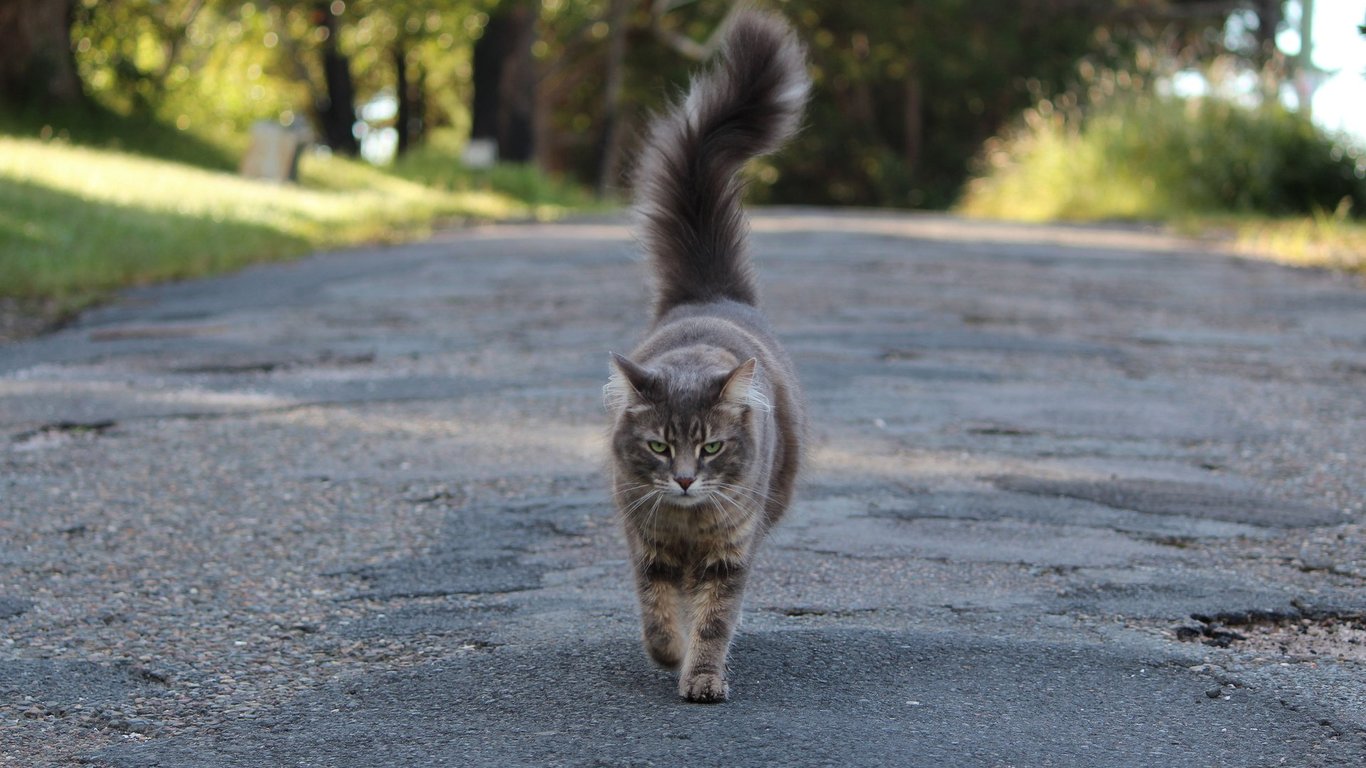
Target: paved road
[(1078, 497)]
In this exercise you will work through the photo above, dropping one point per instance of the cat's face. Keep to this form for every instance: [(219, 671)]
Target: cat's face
[(685, 438)]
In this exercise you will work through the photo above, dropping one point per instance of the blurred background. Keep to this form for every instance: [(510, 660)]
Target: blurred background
[(144, 140)]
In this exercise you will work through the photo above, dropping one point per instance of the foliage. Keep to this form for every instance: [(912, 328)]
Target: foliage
[(905, 93), (213, 67), (206, 68), (94, 125), (1320, 240), (974, 65), (1140, 155)]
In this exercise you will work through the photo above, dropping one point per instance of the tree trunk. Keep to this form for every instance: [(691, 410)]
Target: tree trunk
[(504, 78), (417, 104), (1306, 77), (36, 62), (1269, 60), (609, 147), (403, 120), (487, 78), (336, 111)]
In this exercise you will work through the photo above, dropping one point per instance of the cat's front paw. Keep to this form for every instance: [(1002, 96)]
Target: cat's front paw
[(704, 688)]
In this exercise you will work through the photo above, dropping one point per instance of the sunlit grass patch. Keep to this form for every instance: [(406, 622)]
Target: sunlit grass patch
[(76, 223), (1322, 240), (1155, 158), (1258, 177), (436, 163)]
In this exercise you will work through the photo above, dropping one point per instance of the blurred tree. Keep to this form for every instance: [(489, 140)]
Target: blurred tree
[(504, 78), (915, 89), (335, 109), (416, 43), (1196, 33), (36, 63), (906, 91), (609, 143), (139, 44), (409, 98)]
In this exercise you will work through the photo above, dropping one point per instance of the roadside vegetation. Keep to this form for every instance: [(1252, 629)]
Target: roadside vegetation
[(436, 163), (1262, 177), (78, 222)]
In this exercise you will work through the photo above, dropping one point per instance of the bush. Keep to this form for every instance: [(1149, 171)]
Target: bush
[(1143, 156)]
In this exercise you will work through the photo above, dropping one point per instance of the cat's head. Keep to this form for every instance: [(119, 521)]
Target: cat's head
[(685, 430)]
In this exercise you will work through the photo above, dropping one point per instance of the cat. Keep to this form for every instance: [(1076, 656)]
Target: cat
[(708, 413)]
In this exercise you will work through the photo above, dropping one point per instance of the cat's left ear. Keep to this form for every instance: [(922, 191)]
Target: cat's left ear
[(741, 389)]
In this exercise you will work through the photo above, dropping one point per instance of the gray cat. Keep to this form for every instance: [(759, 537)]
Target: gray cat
[(708, 412)]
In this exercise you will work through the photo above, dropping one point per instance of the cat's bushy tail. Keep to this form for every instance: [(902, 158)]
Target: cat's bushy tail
[(686, 185)]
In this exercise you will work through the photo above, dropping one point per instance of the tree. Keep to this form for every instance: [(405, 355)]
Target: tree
[(137, 44), (504, 76), (336, 109), (36, 61), (609, 147)]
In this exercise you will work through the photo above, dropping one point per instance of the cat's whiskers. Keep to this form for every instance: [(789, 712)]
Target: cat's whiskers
[(633, 506), (654, 515), (748, 493), (629, 488), (739, 510)]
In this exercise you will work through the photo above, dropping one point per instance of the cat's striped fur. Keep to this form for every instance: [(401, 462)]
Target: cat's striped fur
[(708, 414)]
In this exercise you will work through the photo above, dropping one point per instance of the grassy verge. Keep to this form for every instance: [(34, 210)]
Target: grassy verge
[(436, 164), (1257, 178), (1307, 241), (77, 223)]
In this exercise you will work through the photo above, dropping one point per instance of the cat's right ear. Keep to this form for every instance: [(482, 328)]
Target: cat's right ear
[(627, 384)]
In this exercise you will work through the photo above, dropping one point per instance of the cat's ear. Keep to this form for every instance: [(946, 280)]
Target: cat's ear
[(741, 389), (627, 384), (639, 378)]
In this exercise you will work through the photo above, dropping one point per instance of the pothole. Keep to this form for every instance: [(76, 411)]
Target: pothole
[(1301, 634)]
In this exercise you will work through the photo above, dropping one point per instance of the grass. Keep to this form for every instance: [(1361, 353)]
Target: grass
[(436, 163), (93, 125), (1260, 177), (1323, 241), (77, 223)]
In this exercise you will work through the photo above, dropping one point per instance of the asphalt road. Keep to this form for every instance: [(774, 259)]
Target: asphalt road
[(1078, 497)]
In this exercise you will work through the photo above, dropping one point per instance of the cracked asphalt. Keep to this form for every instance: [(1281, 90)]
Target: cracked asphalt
[(1079, 496)]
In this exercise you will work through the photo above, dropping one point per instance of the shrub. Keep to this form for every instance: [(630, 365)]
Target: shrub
[(1145, 156)]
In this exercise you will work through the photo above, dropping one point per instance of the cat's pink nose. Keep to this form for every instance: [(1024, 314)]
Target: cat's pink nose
[(684, 482)]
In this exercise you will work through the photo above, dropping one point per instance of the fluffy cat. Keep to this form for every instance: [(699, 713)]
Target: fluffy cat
[(708, 413)]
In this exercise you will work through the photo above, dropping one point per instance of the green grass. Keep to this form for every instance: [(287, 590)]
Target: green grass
[(93, 125), (436, 163), (1332, 242), (1261, 178), (77, 223)]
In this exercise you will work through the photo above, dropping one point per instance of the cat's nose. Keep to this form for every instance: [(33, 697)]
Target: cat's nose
[(684, 482)]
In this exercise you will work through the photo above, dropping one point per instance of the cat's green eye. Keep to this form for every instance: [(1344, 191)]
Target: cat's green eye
[(658, 447), (712, 448)]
